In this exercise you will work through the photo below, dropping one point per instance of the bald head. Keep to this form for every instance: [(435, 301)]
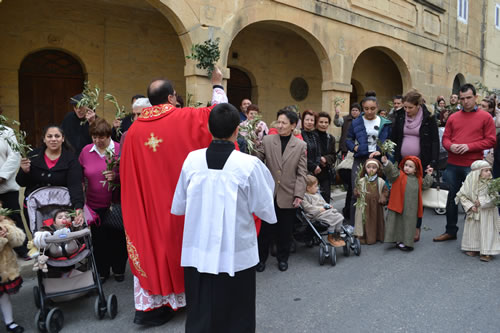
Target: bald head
[(159, 90)]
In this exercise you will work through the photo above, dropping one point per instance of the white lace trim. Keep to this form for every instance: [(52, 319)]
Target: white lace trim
[(145, 301)]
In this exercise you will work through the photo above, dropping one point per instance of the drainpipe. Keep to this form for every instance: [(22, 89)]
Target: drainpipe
[(483, 41)]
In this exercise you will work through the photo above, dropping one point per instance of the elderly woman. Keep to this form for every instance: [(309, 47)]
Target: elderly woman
[(362, 138), (309, 120), (110, 249), (415, 133), (285, 157), (139, 104), (327, 154), (54, 164)]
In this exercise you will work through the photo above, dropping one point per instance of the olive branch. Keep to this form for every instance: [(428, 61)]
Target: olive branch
[(112, 163), (251, 132), (19, 144), (90, 99), (207, 54)]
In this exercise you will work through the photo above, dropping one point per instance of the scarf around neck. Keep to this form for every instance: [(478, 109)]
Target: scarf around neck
[(415, 122)]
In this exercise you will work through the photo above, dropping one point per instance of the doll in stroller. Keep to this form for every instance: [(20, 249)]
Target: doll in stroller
[(66, 267)]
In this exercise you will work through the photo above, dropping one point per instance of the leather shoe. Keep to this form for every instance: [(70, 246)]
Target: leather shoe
[(156, 317), (444, 237), (260, 267), (282, 266)]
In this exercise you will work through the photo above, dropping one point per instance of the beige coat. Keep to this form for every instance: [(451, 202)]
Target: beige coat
[(9, 270), (288, 169)]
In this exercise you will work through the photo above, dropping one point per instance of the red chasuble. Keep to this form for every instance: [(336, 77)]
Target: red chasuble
[(156, 146)]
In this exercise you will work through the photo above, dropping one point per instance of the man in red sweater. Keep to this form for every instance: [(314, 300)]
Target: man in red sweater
[(467, 134)]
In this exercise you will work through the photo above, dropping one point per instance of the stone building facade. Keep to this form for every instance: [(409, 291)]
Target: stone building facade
[(327, 48)]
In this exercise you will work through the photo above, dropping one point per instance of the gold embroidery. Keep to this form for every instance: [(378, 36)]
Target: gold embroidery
[(153, 142), (155, 111), (134, 257)]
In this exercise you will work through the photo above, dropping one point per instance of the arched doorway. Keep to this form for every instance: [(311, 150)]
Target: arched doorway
[(357, 91), (376, 70), (458, 81), (47, 81), (239, 87)]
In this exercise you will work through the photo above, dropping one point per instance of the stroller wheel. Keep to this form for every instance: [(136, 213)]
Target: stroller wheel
[(347, 248), (36, 296), (322, 254), (357, 247), (39, 324), (310, 243), (54, 321), (333, 256), (99, 310), (316, 241), (440, 211), (112, 306)]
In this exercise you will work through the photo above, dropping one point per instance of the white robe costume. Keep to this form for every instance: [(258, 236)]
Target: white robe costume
[(481, 228)]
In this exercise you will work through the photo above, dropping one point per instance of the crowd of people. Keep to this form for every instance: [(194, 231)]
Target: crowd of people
[(204, 206)]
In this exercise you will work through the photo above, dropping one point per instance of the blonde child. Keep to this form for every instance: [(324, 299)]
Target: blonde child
[(481, 229), (405, 203), (10, 280), (369, 224), (316, 208)]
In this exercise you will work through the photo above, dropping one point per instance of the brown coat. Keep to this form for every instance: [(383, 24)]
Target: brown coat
[(288, 169), (9, 270)]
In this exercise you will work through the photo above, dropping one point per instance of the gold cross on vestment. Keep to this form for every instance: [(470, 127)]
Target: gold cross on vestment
[(153, 142)]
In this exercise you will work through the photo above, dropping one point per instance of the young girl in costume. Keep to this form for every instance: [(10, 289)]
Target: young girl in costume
[(405, 203), (315, 207), (369, 220), (10, 280), (482, 227)]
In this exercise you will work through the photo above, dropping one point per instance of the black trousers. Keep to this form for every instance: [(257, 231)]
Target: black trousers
[(220, 303), (11, 200), (110, 248), (280, 233), (325, 188), (345, 175)]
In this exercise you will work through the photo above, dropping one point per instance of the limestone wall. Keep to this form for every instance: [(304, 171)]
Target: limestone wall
[(120, 47)]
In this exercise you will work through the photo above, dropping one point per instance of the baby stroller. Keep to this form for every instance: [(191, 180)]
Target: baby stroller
[(311, 232), (41, 206)]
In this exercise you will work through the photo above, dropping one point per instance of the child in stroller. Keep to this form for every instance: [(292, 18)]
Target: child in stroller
[(316, 208), (60, 225), (70, 256)]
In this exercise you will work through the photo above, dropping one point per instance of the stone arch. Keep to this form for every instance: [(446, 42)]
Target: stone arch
[(257, 14), (357, 91), (182, 18), (383, 70), (458, 81), (269, 51)]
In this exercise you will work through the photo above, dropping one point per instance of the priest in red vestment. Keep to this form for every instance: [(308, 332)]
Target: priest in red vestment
[(155, 148)]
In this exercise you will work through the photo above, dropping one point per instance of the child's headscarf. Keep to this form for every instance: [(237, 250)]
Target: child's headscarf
[(397, 198), (373, 161), (471, 186)]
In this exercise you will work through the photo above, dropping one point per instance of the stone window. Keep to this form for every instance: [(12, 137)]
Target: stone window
[(463, 10)]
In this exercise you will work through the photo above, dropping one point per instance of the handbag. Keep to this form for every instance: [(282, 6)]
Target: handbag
[(113, 217), (436, 196)]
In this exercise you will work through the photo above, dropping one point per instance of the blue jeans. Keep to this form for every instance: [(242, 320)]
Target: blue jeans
[(454, 176)]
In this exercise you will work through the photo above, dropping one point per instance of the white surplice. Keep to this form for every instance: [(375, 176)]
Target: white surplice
[(219, 229)]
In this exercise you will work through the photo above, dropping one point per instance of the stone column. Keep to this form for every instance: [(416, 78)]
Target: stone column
[(330, 91), (199, 84)]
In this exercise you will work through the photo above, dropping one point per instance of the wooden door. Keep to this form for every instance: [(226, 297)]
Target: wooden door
[(239, 87), (47, 81)]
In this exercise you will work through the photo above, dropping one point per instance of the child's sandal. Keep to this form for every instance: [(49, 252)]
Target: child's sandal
[(15, 328)]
